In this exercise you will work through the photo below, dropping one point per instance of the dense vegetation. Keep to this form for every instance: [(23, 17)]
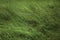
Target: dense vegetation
[(29, 19)]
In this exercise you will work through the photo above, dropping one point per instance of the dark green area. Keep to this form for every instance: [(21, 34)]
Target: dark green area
[(29, 20)]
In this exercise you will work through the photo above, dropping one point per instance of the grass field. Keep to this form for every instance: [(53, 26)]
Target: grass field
[(29, 19)]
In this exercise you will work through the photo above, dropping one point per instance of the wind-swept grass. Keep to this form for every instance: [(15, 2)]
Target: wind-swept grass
[(29, 20)]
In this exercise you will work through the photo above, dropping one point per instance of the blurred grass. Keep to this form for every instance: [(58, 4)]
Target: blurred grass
[(30, 20)]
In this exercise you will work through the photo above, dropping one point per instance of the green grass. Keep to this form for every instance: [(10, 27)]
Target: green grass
[(29, 20)]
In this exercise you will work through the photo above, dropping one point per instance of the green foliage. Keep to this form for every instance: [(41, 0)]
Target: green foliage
[(29, 20)]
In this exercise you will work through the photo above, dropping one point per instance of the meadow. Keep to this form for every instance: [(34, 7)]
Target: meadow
[(29, 19)]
